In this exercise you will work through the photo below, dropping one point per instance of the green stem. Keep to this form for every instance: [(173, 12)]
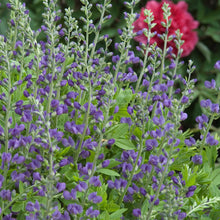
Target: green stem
[(135, 164), (86, 125), (163, 57), (16, 198), (53, 74), (160, 184)]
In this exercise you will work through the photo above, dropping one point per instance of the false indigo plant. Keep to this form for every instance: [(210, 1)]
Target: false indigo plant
[(89, 133)]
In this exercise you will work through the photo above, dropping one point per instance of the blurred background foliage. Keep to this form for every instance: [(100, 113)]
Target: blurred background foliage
[(206, 53)]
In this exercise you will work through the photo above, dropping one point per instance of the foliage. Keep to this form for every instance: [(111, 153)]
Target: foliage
[(93, 129)]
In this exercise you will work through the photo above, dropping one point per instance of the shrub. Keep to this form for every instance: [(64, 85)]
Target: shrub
[(88, 133)]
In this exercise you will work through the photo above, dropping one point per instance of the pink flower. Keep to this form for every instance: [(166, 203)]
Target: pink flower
[(181, 19)]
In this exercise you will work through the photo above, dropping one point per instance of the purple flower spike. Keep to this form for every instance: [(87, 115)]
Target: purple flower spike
[(197, 159)]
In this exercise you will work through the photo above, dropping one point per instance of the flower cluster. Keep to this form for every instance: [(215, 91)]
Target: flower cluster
[(179, 18), (87, 132)]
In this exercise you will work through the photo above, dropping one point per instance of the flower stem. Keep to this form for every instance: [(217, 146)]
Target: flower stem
[(160, 184)]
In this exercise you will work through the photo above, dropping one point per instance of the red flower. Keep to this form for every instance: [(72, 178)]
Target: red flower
[(181, 19)]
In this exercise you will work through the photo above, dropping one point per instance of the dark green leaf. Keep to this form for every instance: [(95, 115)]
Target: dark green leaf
[(204, 50)]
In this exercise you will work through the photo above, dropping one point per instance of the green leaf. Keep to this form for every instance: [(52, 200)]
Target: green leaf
[(124, 97), (118, 214), (18, 206), (205, 203), (118, 131), (122, 112), (113, 163), (21, 187), (144, 207), (204, 50), (112, 207), (105, 215), (108, 172), (210, 17), (214, 33), (124, 144), (64, 151)]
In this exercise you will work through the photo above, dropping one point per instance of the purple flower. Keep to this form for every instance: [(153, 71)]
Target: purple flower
[(175, 180), (136, 212), (18, 159), (8, 5), (181, 215), (6, 157), (150, 144), (197, 159), (92, 213), (101, 156), (126, 120), (60, 186), (211, 140), (94, 198), (191, 190), (158, 121), (54, 103), (105, 163), (81, 187), (74, 209), (215, 108), (217, 65), (5, 194), (185, 99), (36, 176), (190, 142), (130, 110), (56, 215), (153, 160), (99, 116), (210, 85), (206, 103), (67, 195), (1, 180), (116, 109), (115, 59), (183, 116), (30, 207), (95, 181)]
